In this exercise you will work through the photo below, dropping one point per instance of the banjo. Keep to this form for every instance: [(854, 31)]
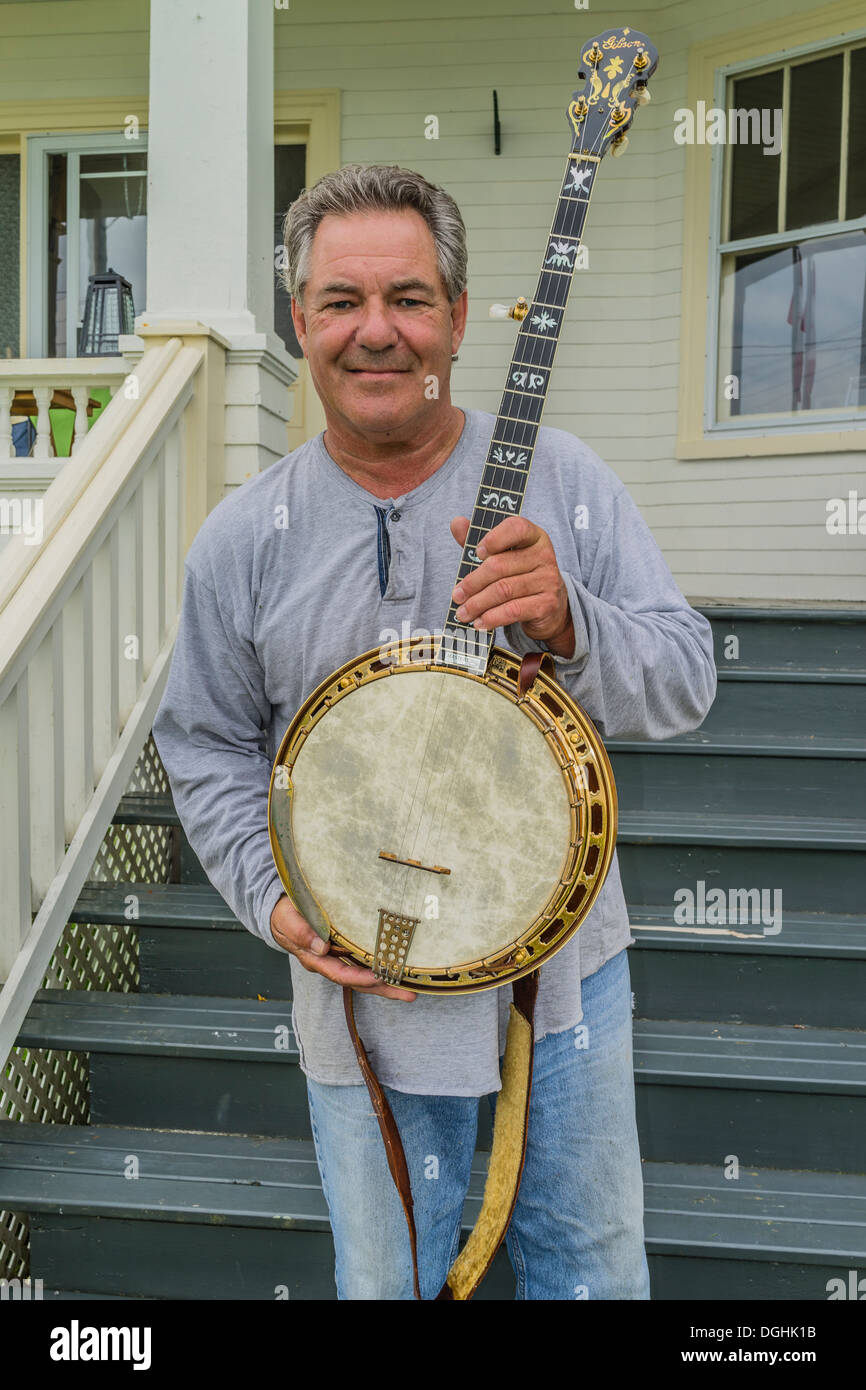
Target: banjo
[(445, 878)]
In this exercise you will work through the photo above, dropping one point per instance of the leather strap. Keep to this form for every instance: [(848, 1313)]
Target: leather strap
[(530, 667), (508, 1153), (390, 1133)]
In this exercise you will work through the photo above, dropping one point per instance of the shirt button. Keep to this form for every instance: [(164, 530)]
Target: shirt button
[(395, 516)]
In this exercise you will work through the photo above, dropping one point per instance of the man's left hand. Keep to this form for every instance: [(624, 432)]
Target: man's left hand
[(518, 581)]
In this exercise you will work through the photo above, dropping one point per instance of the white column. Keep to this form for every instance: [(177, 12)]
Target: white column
[(210, 253)]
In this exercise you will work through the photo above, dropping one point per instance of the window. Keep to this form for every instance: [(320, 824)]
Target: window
[(290, 166), (88, 213), (788, 326)]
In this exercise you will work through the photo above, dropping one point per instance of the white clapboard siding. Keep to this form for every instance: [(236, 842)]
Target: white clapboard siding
[(396, 62), (616, 381)]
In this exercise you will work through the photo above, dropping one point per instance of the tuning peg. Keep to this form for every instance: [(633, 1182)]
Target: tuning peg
[(642, 96), (618, 146), (513, 311)]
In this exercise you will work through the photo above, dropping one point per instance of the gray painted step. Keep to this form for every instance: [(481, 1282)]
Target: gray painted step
[(791, 639), (825, 782), (813, 971), (817, 866), (172, 918), (215, 1216), (805, 964), (771, 705), (785, 1096)]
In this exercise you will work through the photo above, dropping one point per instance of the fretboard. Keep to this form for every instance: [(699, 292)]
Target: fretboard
[(503, 481)]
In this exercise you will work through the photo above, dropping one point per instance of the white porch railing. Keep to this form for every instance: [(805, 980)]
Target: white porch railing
[(37, 383), (87, 623)]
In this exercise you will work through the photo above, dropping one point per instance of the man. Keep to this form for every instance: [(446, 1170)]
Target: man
[(329, 553)]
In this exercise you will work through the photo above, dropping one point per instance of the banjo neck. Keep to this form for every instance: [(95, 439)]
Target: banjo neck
[(598, 118), (509, 458)]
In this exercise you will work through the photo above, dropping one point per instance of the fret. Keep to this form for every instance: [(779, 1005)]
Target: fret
[(502, 468), (526, 401), (542, 355), (506, 470), (540, 336)]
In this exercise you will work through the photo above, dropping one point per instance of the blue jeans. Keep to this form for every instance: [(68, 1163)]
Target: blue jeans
[(577, 1226)]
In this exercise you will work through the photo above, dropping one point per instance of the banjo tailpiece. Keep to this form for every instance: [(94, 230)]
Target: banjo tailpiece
[(378, 865)]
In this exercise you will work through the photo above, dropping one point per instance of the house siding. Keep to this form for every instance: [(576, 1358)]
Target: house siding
[(731, 528)]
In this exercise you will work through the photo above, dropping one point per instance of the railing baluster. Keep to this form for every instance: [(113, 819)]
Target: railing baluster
[(42, 447), (46, 762), (7, 394), (14, 823), (80, 395)]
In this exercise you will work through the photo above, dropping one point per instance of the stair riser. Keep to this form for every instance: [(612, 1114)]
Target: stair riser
[(163, 1259), (193, 960), (761, 1127), (153, 1092), (810, 880), (221, 1096), (725, 987), (695, 784), (824, 709), (171, 1260), (678, 1278), (774, 642)]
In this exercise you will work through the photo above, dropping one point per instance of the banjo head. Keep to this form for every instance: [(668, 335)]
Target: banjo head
[(436, 825)]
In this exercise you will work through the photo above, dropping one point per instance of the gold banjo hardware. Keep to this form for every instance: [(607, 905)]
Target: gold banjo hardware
[(588, 785)]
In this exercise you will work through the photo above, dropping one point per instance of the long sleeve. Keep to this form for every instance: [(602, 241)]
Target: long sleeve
[(643, 662), (211, 733)]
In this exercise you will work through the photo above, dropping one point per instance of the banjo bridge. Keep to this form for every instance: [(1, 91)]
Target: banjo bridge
[(413, 863), (393, 940)]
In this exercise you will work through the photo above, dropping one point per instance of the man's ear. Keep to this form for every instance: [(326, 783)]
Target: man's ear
[(300, 322), (459, 312)]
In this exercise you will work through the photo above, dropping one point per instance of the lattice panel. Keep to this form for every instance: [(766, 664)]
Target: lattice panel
[(52, 1086)]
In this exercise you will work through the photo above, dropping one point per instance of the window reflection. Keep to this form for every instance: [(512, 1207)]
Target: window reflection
[(794, 328)]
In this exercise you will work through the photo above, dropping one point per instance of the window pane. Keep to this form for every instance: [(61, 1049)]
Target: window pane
[(58, 251), (814, 134), (755, 175), (856, 200), (290, 168), (10, 182), (113, 219), (793, 328), (112, 163)]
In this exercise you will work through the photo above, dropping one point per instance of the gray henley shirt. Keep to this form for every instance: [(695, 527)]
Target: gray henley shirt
[(282, 586)]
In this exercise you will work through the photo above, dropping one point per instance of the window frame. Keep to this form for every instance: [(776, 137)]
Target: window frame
[(719, 215), (711, 66), (38, 148)]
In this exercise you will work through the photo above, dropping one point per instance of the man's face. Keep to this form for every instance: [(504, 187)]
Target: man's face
[(376, 323)]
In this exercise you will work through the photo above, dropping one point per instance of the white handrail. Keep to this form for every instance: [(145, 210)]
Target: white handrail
[(87, 625)]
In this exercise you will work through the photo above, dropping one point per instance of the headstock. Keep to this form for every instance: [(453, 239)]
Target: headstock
[(616, 67)]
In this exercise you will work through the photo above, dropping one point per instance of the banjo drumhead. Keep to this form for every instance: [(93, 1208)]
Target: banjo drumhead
[(442, 769)]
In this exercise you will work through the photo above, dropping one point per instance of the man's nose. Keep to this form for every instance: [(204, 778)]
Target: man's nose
[(376, 329)]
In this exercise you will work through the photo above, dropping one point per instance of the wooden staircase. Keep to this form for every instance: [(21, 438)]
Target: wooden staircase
[(196, 1177)]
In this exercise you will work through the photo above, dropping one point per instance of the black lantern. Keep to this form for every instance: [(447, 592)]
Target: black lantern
[(108, 312)]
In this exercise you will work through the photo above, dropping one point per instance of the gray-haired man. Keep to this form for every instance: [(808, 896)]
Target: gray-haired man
[(377, 508)]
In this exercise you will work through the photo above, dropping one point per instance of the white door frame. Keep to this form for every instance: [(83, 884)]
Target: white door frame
[(38, 148)]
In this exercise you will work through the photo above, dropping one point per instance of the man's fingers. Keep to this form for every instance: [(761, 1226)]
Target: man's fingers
[(294, 933), (512, 533), (343, 972)]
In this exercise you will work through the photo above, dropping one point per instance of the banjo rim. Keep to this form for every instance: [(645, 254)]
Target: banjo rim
[(587, 776)]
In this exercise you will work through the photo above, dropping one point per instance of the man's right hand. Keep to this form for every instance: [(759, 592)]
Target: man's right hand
[(291, 931)]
